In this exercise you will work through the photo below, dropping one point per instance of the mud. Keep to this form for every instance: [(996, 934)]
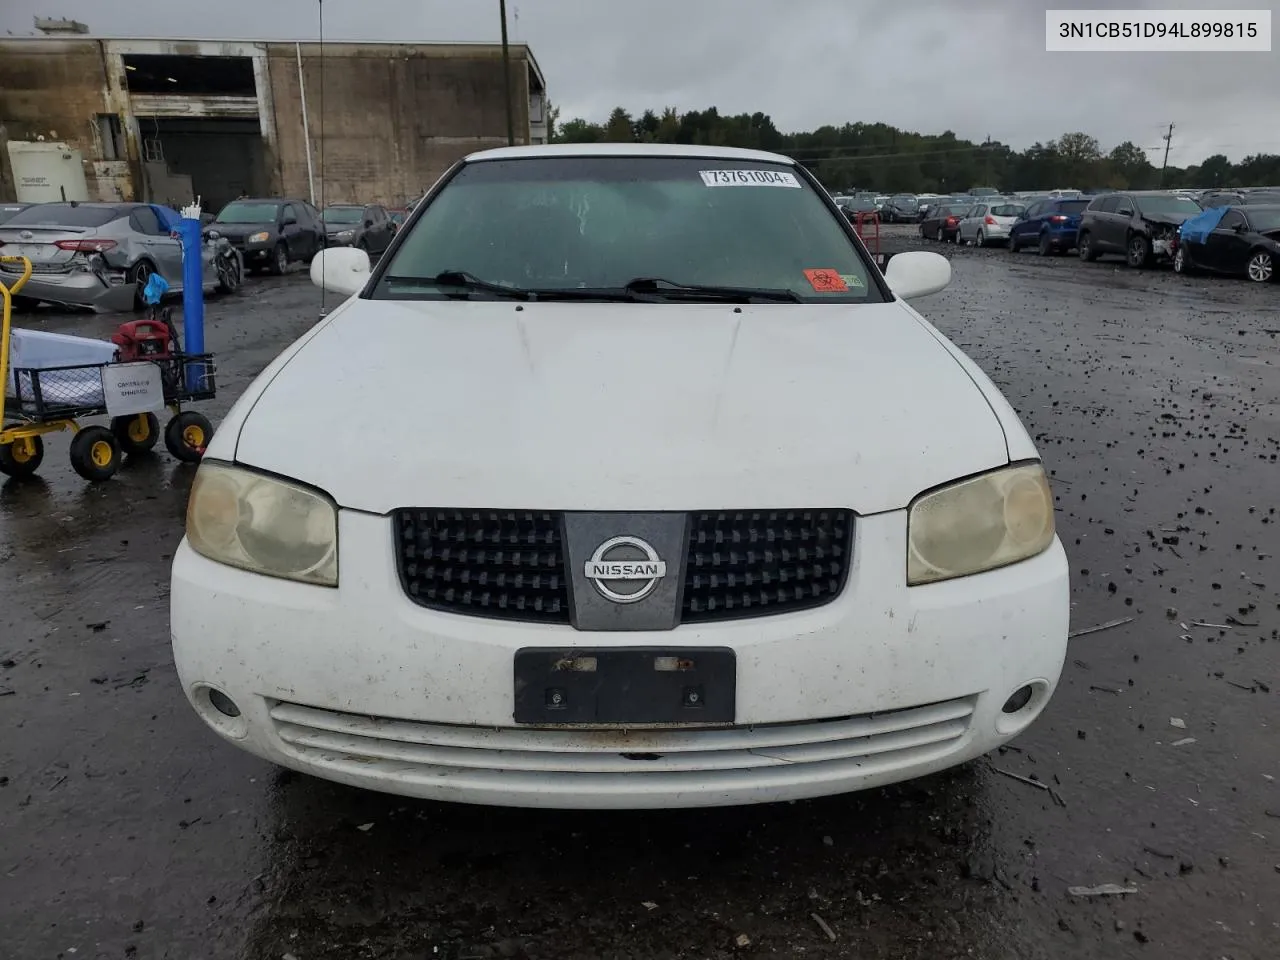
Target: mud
[(130, 831)]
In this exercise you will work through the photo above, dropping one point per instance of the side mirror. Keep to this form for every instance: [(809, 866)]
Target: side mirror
[(343, 270), (915, 273), (1239, 228), (288, 221), (368, 223)]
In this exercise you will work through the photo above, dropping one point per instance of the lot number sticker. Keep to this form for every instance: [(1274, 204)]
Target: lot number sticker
[(748, 178), (132, 388)]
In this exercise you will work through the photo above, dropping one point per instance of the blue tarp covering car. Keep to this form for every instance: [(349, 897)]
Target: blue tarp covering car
[(1197, 228)]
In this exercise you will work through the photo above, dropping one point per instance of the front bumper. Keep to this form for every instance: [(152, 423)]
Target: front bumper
[(255, 252), (360, 685)]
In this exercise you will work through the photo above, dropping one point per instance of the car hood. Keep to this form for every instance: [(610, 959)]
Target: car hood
[(1167, 219), (238, 231), (598, 406)]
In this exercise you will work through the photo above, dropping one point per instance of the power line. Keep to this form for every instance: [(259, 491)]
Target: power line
[(1168, 142)]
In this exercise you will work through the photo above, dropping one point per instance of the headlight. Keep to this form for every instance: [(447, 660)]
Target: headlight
[(258, 523), (261, 237), (345, 234), (979, 524)]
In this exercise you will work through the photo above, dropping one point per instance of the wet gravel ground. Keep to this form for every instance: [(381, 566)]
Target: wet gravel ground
[(128, 830)]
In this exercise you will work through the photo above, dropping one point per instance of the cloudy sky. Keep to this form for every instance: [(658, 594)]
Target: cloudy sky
[(977, 67)]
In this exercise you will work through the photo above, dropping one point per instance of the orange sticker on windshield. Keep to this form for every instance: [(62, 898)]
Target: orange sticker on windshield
[(826, 281)]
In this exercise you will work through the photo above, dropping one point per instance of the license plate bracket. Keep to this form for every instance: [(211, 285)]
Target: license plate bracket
[(625, 685)]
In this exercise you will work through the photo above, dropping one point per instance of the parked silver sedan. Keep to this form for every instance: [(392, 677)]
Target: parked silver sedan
[(100, 255), (989, 222)]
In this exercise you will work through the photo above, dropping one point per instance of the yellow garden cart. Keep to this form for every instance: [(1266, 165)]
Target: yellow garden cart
[(45, 400)]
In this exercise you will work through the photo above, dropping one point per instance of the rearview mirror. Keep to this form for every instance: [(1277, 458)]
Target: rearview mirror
[(916, 273), (343, 270)]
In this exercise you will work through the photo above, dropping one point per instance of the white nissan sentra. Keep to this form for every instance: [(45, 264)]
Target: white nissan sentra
[(626, 479)]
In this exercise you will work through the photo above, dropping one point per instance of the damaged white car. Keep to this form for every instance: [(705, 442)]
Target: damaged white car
[(672, 501)]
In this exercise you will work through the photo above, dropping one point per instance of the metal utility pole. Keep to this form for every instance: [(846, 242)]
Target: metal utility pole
[(506, 74), (1168, 141)]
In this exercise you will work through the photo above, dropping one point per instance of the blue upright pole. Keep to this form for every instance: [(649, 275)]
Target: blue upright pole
[(192, 294)]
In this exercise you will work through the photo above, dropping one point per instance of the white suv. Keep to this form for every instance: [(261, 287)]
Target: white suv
[(625, 480)]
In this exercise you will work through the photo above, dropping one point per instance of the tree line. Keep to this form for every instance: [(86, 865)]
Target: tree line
[(879, 157)]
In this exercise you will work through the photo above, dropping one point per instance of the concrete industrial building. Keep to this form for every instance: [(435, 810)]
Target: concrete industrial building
[(163, 120)]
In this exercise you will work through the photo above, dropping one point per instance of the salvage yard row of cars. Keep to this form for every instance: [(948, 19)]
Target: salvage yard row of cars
[(100, 256), (1234, 234)]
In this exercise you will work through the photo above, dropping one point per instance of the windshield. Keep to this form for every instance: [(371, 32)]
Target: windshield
[(342, 214), (7, 210), (1264, 221), (1252, 198), (905, 203), (63, 215), (1007, 210), (597, 223), (1072, 207), (1168, 206), (249, 211)]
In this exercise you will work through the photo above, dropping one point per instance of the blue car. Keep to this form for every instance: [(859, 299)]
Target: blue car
[(1048, 225)]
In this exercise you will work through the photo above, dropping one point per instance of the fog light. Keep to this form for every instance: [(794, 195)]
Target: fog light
[(1021, 697), (223, 704)]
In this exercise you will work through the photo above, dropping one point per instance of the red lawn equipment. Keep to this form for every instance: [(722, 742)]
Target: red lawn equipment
[(144, 340)]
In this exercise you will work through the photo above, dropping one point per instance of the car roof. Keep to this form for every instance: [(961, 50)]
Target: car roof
[(627, 150), (1253, 207)]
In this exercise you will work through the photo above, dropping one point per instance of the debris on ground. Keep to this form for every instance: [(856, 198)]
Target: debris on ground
[(1102, 890), (831, 934), (1184, 741), (1100, 627), (1177, 723)]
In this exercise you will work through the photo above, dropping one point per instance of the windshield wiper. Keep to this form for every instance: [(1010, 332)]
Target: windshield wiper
[(669, 289), (466, 281)]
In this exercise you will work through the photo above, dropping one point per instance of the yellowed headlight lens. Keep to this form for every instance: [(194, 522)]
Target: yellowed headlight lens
[(979, 524), (259, 523)]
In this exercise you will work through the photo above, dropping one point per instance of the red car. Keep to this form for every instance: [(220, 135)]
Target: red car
[(943, 224)]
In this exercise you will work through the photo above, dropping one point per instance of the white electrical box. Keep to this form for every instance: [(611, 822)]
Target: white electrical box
[(45, 172)]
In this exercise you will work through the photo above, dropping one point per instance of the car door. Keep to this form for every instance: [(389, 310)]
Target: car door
[(316, 235), (1225, 249), (291, 231), (1027, 225), (1116, 224), (163, 250), (372, 229), (970, 225), (382, 222)]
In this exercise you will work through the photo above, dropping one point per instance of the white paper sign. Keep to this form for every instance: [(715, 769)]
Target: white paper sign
[(131, 388), (748, 178)]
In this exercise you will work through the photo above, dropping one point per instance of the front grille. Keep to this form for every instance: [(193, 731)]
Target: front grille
[(757, 563), (486, 563), (536, 758), (512, 564)]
